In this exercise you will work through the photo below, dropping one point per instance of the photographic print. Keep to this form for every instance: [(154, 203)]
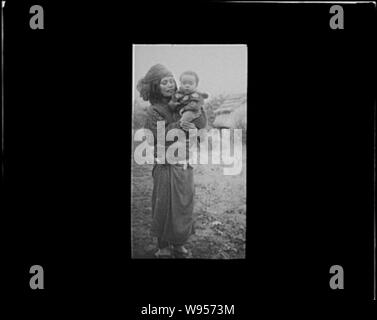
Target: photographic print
[(188, 193), (240, 147)]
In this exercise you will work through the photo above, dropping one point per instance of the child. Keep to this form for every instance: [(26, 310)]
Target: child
[(188, 102)]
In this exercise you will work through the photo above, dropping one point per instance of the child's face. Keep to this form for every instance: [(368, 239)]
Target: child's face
[(188, 82)]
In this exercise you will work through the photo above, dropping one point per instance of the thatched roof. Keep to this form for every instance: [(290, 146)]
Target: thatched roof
[(232, 113)]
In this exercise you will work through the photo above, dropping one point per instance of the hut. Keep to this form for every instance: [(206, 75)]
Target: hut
[(232, 112)]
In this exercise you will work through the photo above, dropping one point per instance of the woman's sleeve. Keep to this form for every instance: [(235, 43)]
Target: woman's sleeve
[(201, 122), (151, 124)]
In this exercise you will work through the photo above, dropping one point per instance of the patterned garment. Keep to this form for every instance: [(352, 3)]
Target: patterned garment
[(189, 101)]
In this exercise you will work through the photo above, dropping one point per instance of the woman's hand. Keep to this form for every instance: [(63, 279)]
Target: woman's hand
[(185, 125)]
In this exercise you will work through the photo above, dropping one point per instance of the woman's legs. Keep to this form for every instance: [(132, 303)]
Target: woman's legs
[(163, 249), (172, 206), (180, 249), (162, 244)]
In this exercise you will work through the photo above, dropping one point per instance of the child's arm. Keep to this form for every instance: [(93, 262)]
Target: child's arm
[(194, 106), (190, 116)]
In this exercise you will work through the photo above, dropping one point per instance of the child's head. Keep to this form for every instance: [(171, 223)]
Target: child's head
[(189, 80)]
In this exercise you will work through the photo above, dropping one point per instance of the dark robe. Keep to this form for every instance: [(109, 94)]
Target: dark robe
[(173, 184)]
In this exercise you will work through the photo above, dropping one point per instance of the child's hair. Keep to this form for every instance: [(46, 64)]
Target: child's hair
[(191, 73)]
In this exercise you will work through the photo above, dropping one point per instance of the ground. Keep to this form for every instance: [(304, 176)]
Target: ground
[(220, 208)]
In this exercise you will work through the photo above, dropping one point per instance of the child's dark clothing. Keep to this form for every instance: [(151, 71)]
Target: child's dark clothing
[(188, 101)]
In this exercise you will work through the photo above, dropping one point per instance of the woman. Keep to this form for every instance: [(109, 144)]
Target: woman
[(173, 184)]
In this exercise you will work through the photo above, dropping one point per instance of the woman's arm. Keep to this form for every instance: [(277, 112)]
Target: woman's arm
[(151, 123)]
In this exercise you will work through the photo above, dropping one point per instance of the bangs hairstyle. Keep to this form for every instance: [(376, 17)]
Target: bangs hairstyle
[(190, 73)]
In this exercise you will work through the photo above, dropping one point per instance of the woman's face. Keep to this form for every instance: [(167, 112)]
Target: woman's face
[(167, 86)]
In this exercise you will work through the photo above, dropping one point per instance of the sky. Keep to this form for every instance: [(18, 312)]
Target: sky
[(222, 69)]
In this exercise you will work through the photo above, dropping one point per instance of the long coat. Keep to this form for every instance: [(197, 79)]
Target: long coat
[(173, 185)]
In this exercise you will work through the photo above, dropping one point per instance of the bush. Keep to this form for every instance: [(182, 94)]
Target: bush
[(139, 115)]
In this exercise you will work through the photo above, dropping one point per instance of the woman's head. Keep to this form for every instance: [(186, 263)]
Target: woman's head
[(157, 84)]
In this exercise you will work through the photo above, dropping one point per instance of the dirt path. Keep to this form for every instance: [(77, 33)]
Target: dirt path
[(220, 207)]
